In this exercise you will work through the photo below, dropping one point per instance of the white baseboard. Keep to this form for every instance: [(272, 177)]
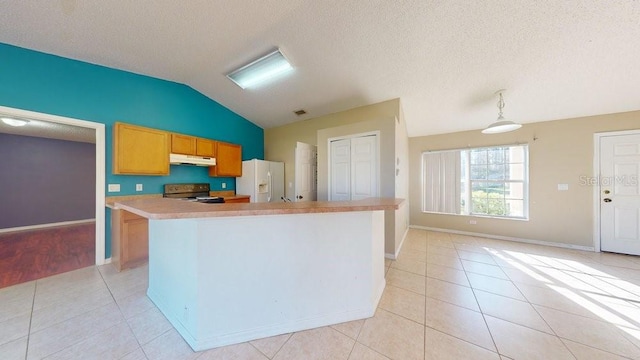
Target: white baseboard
[(507, 238), (44, 226), (395, 256), (107, 261)]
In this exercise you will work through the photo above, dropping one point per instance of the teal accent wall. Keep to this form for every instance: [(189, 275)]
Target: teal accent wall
[(36, 81)]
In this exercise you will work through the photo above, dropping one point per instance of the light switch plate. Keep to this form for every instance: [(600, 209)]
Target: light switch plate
[(224, 185), (113, 187), (138, 187), (563, 187)]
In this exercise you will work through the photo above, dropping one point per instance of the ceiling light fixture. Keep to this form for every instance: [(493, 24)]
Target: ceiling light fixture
[(14, 122), (501, 125), (261, 70)]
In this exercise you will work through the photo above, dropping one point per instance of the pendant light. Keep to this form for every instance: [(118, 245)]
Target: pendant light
[(501, 125)]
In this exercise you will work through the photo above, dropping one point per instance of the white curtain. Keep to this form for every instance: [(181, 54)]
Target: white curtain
[(441, 171)]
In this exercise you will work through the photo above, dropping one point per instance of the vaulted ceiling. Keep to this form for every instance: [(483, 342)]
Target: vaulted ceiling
[(443, 59)]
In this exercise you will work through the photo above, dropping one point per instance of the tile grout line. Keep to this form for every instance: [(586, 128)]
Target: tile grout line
[(533, 306), (33, 303), (451, 335), (480, 308), (122, 314), (283, 344)]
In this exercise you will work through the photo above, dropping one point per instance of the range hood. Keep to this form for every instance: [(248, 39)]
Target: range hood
[(181, 159)]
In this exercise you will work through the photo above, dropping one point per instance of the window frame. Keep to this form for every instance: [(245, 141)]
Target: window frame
[(466, 210)]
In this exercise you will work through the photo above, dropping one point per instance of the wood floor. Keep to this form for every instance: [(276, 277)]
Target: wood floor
[(34, 254)]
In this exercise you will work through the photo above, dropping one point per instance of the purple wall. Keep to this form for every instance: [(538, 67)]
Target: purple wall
[(45, 181)]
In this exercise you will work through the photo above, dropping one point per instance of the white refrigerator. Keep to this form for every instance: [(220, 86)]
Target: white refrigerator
[(262, 180)]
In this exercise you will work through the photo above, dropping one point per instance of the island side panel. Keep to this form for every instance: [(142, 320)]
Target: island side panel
[(258, 276), (173, 284), (378, 247)]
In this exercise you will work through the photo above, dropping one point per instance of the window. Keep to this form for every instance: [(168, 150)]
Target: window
[(491, 181)]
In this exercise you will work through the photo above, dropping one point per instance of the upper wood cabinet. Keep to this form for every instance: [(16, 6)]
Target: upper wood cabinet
[(191, 145), (183, 144), (139, 150), (228, 160), (205, 147)]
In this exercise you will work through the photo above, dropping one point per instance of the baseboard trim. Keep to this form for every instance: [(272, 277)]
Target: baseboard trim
[(45, 226), (395, 256), (507, 238)]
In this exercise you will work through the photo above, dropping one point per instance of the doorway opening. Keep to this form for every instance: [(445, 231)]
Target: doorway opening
[(99, 129)]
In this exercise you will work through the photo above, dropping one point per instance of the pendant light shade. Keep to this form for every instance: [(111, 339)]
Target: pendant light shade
[(501, 125)]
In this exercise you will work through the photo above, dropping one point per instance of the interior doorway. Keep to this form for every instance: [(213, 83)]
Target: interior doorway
[(99, 129), (617, 192)]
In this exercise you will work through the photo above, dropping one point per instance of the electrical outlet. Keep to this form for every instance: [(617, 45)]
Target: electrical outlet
[(472, 222), (138, 187), (224, 185), (113, 188)]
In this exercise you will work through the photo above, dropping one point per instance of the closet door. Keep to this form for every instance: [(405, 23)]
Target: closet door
[(354, 168), (364, 174), (340, 170)]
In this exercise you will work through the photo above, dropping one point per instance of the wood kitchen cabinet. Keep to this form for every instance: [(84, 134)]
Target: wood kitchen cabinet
[(205, 147), (191, 145), (129, 239), (237, 200), (139, 150), (228, 160), (183, 144)]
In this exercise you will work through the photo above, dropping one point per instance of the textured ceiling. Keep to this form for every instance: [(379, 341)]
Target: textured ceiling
[(51, 130), (443, 59)]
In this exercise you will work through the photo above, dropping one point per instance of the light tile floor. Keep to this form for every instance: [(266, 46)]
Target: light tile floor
[(447, 297)]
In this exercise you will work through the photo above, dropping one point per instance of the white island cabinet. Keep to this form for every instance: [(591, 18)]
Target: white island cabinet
[(229, 273)]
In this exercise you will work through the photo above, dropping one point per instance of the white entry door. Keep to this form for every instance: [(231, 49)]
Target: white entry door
[(306, 172), (354, 168), (620, 193)]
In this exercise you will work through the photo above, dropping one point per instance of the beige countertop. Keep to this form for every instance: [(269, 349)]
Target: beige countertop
[(162, 208), (111, 200)]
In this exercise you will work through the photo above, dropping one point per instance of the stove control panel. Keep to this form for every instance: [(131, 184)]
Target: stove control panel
[(186, 188)]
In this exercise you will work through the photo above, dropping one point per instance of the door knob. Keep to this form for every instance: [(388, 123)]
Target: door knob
[(607, 200)]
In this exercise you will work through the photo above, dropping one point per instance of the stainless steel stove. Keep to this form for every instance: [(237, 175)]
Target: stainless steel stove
[(198, 192)]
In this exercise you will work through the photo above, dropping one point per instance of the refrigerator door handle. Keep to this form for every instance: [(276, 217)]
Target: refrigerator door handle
[(269, 185)]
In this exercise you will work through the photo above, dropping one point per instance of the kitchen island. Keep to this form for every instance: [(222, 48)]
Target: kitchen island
[(229, 273)]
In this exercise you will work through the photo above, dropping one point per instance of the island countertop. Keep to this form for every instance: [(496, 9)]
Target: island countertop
[(163, 208)]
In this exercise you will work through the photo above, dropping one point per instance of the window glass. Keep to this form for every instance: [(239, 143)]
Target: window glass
[(492, 181)]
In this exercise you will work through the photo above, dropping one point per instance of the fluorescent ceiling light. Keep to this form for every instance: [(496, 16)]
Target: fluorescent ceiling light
[(261, 70), (14, 122)]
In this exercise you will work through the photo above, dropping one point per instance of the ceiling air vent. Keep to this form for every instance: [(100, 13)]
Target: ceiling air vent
[(300, 112)]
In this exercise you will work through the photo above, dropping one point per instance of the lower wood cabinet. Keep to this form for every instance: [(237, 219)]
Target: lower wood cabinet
[(236, 200), (129, 239)]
